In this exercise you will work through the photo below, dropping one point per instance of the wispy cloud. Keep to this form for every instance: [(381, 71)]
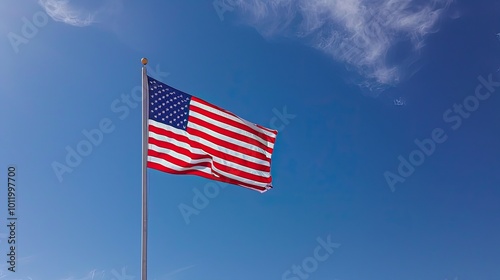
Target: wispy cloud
[(177, 271), (92, 275), (369, 36), (64, 11), (61, 10)]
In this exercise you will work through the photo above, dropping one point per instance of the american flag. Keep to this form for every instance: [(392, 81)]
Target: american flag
[(187, 135)]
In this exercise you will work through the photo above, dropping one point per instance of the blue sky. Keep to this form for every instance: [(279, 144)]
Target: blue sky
[(388, 151)]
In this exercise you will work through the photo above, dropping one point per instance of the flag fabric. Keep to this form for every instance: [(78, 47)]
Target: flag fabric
[(187, 135)]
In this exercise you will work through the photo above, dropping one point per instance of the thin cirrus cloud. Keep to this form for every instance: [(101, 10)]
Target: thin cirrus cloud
[(379, 39), (92, 275), (66, 12), (62, 11)]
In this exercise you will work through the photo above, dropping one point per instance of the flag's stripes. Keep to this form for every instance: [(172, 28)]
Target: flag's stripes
[(221, 140), (215, 112), (190, 136), (186, 157), (161, 167), (177, 138), (221, 128), (181, 161)]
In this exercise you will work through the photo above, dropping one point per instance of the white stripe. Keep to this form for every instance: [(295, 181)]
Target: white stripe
[(199, 140), (170, 165), (241, 179), (229, 116), (176, 155)]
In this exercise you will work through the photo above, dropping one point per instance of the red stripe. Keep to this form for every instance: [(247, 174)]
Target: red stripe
[(275, 132)]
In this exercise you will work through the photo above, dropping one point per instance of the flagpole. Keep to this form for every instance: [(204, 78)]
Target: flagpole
[(144, 235)]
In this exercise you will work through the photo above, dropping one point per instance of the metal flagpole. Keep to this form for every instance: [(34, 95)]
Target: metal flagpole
[(144, 235)]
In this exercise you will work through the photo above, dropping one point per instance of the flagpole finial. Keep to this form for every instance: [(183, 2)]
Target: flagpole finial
[(144, 61)]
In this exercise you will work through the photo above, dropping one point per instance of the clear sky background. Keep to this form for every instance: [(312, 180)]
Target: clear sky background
[(350, 86)]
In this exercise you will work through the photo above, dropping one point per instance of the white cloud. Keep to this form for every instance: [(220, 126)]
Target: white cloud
[(177, 271), (64, 11), (92, 275), (61, 10), (360, 33)]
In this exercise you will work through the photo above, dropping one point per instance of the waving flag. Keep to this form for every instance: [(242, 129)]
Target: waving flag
[(187, 135)]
